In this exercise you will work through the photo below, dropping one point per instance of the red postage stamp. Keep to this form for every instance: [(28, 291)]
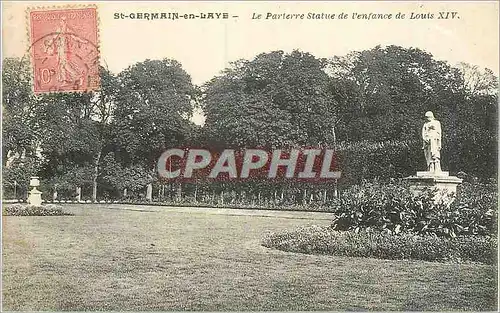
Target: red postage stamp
[(64, 49)]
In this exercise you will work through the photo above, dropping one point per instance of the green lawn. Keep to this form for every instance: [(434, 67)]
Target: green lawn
[(112, 257)]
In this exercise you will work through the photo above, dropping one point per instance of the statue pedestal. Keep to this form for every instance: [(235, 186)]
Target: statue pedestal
[(445, 184), (35, 197)]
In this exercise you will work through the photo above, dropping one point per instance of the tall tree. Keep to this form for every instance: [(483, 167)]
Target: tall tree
[(394, 86), (382, 94), (276, 99), (155, 101), (18, 122), (477, 81), (75, 131)]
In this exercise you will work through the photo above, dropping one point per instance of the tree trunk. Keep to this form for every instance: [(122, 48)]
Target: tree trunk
[(5, 154), (97, 160), (149, 192), (179, 192), (334, 137)]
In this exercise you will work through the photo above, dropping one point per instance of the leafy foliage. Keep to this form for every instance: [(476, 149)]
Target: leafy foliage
[(366, 105), (18, 102), (154, 106), (393, 209), (18, 209), (18, 173), (382, 93), (325, 240), (477, 81), (114, 174), (387, 160), (276, 99), (392, 86), (75, 132)]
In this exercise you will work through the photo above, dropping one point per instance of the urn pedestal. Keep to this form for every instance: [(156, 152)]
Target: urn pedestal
[(442, 181), (35, 195)]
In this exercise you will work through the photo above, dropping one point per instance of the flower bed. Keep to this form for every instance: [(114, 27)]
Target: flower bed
[(383, 245), (18, 209)]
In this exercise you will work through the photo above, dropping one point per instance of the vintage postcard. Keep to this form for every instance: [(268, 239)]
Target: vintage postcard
[(250, 156)]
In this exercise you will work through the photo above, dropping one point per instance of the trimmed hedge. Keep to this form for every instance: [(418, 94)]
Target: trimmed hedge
[(382, 245), (366, 160), (18, 209)]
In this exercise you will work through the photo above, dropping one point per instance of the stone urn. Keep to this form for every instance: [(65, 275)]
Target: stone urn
[(35, 195)]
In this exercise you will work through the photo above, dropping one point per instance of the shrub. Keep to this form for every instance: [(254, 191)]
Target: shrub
[(18, 209), (393, 208), (475, 209), (383, 245)]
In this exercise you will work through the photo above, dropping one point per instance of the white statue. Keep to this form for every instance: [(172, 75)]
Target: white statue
[(431, 136)]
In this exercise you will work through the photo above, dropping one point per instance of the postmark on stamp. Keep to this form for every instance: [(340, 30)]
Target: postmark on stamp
[(64, 49)]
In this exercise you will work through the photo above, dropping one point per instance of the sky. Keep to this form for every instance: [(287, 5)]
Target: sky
[(206, 47)]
